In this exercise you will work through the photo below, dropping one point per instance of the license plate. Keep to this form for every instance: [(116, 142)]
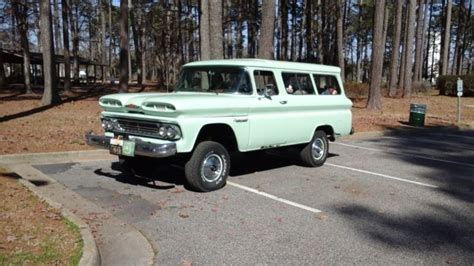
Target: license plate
[(122, 147)]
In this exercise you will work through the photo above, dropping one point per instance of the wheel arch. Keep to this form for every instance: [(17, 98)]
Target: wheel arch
[(329, 130), (218, 132)]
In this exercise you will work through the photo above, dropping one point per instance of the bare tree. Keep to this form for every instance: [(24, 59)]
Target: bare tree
[(409, 48), (340, 36), (103, 50), (124, 46), (215, 29), (67, 61), (265, 46), (446, 40), (50, 94), (394, 63), (21, 13), (374, 101), (419, 42), (204, 31), (3, 80)]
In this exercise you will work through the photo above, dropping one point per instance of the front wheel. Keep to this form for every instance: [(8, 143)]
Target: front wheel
[(315, 153), (208, 168)]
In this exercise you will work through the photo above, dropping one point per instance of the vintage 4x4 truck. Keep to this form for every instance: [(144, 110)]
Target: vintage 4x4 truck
[(223, 106)]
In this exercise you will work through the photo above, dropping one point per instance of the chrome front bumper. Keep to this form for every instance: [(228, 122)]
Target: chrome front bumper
[(141, 148)]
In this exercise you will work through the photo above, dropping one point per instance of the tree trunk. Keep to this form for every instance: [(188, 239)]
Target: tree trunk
[(384, 40), (204, 31), (124, 46), (394, 63), (110, 37), (457, 67), (67, 61), (428, 37), (309, 31), (409, 48), (340, 36), (215, 29), (401, 78), (74, 19), (446, 40), (3, 80), (103, 50), (284, 29), (50, 94), (57, 27), (136, 20), (265, 45), (21, 11), (419, 42), (375, 101)]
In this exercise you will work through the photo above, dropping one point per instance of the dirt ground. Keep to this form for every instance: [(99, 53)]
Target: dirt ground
[(26, 127), (32, 233)]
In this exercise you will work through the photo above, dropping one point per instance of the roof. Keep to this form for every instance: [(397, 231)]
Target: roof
[(16, 57), (253, 62)]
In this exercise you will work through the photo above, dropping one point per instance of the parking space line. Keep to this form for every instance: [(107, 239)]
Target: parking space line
[(404, 154), (261, 193), (381, 175)]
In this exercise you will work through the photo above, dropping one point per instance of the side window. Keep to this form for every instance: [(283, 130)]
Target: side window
[(327, 85), (265, 80), (297, 83)]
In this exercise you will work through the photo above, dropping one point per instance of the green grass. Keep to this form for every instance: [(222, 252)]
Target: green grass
[(49, 253), (77, 253)]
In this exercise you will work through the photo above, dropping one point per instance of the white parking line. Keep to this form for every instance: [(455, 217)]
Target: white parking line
[(261, 193), (403, 154), (381, 175)]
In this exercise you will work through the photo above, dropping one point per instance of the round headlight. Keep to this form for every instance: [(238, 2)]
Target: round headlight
[(170, 133), (162, 132), (107, 125)]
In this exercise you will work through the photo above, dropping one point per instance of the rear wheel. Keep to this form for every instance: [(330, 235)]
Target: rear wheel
[(209, 166), (315, 153)]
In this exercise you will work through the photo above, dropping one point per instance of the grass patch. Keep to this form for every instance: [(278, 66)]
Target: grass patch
[(32, 232), (77, 253)]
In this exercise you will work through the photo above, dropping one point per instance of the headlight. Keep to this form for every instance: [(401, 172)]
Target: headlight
[(167, 131), (110, 124), (162, 131)]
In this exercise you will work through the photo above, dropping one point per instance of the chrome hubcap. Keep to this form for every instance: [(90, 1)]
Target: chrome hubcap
[(317, 149), (212, 168)]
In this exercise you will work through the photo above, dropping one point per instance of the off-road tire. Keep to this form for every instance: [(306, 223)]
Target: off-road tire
[(307, 154), (201, 160)]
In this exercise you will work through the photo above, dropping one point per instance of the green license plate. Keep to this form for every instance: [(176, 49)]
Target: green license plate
[(122, 147)]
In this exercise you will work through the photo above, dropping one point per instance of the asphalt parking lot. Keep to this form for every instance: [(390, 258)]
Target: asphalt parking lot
[(401, 198)]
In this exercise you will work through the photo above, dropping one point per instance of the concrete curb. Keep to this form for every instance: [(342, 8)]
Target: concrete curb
[(90, 253), (117, 237), (56, 157)]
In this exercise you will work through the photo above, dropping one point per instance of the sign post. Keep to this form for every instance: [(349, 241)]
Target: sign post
[(460, 91)]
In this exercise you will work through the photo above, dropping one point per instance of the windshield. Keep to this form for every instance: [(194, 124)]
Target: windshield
[(215, 80)]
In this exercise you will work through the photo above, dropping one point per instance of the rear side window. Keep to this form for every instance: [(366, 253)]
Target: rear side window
[(265, 80), (327, 85), (298, 83)]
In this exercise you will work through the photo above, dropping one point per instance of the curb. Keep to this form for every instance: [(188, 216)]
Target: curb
[(120, 235), (56, 157), (90, 253)]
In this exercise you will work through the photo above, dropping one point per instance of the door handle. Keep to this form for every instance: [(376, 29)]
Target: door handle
[(283, 102)]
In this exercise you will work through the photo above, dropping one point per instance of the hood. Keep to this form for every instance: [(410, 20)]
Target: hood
[(175, 104)]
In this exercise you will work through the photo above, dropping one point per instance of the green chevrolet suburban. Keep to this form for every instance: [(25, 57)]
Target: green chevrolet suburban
[(223, 106)]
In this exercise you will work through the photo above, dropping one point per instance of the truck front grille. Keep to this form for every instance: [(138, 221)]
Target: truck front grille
[(138, 127)]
